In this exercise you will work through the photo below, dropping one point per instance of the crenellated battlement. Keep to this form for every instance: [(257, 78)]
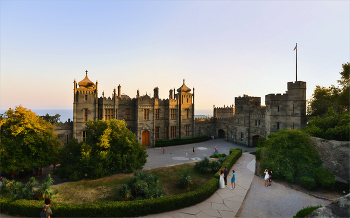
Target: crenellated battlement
[(66, 125), (276, 97)]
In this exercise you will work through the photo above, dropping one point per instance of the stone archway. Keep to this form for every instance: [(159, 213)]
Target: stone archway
[(145, 138), (221, 133), (256, 139)]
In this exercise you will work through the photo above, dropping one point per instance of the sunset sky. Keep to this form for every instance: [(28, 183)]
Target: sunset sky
[(223, 49)]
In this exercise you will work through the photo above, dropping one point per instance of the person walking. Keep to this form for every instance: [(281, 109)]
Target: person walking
[(47, 208), (225, 175), (193, 151), (233, 180), (266, 177), (270, 174)]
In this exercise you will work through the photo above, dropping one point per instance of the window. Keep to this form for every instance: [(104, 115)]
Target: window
[(127, 114), (85, 115), (187, 129), (259, 123), (241, 136), (256, 122), (173, 132), (108, 114), (84, 136), (173, 113), (167, 132), (85, 98), (167, 113), (278, 125), (187, 113), (157, 114), (145, 114), (156, 133), (278, 108), (187, 100)]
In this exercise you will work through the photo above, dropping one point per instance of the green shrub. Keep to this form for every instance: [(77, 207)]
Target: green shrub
[(205, 166), (306, 211), (185, 181), (141, 186), (258, 152), (245, 151), (30, 208), (308, 183), (180, 141), (324, 177), (234, 149), (262, 143), (218, 155), (222, 159), (289, 154)]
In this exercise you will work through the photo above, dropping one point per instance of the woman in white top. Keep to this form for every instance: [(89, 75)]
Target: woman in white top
[(221, 181), (266, 177)]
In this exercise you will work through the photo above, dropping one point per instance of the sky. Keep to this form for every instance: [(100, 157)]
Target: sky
[(223, 49)]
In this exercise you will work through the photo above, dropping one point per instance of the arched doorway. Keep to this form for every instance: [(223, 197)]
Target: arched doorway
[(221, 133), (145, 138), (255, 140)]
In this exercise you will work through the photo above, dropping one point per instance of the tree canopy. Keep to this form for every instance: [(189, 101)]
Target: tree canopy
[(109, 148), (51, 119), (26, 141), (335, 97)]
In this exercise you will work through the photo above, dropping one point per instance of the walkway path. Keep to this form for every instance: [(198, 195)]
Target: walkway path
[(224, 202), (275, 201)]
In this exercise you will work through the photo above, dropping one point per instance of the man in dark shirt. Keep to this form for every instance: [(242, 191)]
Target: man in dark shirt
[(225, 176)]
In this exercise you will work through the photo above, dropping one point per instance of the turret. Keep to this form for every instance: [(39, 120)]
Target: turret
[(156, 92), (119, 91)]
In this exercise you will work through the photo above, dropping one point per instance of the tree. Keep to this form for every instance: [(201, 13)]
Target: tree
[(51, 119), (289, 154), (336, 97), (26, 141), (109, 148)]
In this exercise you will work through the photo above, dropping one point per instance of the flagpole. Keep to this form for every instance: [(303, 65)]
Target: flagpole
[(296, 62)]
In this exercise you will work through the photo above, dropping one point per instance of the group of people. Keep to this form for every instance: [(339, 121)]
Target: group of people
[(223, 178), (268, 174)]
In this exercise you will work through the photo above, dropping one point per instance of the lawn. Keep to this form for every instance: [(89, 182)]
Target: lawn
[(105, 189)]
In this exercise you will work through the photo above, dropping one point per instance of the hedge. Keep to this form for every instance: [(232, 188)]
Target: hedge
[(230, 160), (324, 177), (31, 208), (180, 141), (306, 211), (308, 183)]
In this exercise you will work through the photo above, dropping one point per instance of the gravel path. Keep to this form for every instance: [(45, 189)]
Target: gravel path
[(275, 201)]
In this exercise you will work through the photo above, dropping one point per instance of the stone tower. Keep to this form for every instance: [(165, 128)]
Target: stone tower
[(85, 106)]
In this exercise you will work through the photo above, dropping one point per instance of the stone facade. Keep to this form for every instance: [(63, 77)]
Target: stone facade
[(151, 118)]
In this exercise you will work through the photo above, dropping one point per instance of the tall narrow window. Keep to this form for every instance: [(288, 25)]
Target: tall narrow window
[(278, 108), (85, 115), (84, 136), (187, 100), (241, 136), (187, 113), (278, 125), (145, 114), (256, 122), (167, 132), (173, 114), (187, 129), (85, 98), (259, 123), (157, 114), (106, 114), (173, 132), (156, 133), (127, 114)]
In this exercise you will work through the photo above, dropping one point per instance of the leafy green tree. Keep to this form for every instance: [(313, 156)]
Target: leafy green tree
[(289, 154), (336, 97), (331, 126), (51, 119), (109, 148), (26, 141)]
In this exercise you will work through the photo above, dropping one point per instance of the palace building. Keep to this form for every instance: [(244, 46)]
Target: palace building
[(151, 118)]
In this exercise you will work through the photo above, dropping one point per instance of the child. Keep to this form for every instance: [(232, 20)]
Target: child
[(163, 150), (233, 179), (46, 208)]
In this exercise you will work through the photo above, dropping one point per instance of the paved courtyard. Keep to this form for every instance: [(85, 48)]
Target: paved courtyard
[(177, 154)]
